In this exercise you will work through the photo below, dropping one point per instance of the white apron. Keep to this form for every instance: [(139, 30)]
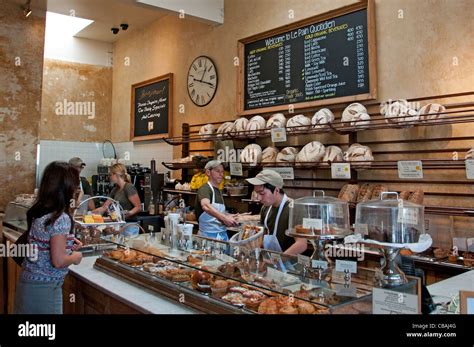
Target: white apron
[(270, 241), (208, 225)]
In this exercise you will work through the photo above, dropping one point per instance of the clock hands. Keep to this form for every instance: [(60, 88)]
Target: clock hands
[(201, 81), (202, 77)]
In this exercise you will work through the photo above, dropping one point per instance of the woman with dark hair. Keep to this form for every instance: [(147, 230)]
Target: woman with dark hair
[(50, 227)]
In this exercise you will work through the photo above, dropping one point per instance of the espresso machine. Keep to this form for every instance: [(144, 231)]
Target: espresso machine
[(152, 188), (137, 176)]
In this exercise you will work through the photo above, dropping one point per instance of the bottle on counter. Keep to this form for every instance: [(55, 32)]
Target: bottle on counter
[(151, 207), (161, 204)]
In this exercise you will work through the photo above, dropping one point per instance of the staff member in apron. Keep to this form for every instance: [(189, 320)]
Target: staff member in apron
[(210, 208), (274, 215), (85, 188)]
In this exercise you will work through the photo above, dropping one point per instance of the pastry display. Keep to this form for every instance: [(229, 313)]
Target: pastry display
[(322, 118), (278, 120), (255, 126), (269, 155), (287, 305), (207, 131), (333, 153), (287, 155), (298, 123), (431, 112), (225, 128), (251, 154), (311, 152)]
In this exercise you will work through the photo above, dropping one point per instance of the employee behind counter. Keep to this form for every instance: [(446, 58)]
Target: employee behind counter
[(124, 192)]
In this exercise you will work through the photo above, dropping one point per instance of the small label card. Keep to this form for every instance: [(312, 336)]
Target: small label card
[(391, 302), (287, 173), (340, 171), (343, 265), (322, 264), (470, 169), (278, 134), (410, 169), (236, 169)]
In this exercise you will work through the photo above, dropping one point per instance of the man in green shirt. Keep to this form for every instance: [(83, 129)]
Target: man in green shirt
[(274, 215), (210, 207)]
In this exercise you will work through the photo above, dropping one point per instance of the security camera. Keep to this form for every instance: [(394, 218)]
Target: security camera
[(115, 30), (124, 26)]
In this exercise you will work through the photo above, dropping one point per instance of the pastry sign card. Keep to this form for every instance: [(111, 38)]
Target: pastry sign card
[(410, 169)]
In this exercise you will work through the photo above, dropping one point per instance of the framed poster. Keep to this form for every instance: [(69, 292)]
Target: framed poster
[(152, 109)]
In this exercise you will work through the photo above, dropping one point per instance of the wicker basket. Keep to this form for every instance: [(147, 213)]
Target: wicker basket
[(251, 243)]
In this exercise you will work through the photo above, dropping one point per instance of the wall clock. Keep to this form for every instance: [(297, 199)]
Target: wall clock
[(202, 81)]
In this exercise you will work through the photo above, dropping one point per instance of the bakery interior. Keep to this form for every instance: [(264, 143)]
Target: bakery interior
[(418, 110)]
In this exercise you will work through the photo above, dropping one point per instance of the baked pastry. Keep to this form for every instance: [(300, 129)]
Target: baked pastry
[(378, 190), (417, 196), (269, 155), (201, 281), (207, 131), (255, 126), (468, 258), (287, 155), (349, 192), (193, 260), (431, 112), (350, 111), (234, 298), (365, 193), (268, 306), (322, 118), (305, 307), (312, 152), (440, 253), (399, 112), (333, 153), (299, 229), (278, 120), (225, 128), (240, 125), (298, 123), (251, 154)]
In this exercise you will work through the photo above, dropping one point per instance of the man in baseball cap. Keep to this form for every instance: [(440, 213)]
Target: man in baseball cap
[(85, 187), (268, 185)]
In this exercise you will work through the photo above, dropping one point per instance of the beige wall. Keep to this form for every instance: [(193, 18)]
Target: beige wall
[(21, 41), (90, 85)]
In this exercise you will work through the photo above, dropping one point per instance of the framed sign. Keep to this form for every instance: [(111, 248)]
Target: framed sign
[(466, 302), (152, 109), (326, 59)]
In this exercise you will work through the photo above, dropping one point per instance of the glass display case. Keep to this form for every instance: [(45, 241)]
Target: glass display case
[(221, 277)]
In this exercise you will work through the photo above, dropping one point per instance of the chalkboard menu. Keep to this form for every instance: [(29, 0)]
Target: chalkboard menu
[(152, 109), (325, 59)]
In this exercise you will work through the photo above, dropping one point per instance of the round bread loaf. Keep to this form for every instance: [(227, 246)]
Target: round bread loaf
[(333, 153), (240, 125), (287, 154), (313, 151), (269, 155), (431, 112), (207, 131), (225, 128), (278, 120), (360, 120), (300, 121), (251, 154), (358, 152), (398, 112), (255, 126), (350, 111), (322, 118)]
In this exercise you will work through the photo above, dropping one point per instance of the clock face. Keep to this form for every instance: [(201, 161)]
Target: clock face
[(202, 81)]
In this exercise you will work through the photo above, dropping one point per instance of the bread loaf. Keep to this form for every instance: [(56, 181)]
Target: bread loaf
[(417, 197), (313, 151), (240, 125), (350, 111), (225, 128), (365, 193), (322, 118), (360, 120), (333, 153), (287, 154), (404, 195), (358, 152), (255, 126), (349, 192), (399, 112), (278, 120), (269, 155), (207, 131), (378, 190), (431, 112), (251, 154), (300, 121)]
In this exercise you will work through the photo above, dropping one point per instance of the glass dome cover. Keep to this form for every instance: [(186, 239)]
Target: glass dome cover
[(390, 220), (319, 216)]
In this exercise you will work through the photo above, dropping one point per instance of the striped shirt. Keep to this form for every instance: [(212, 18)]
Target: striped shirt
[(40, 268)]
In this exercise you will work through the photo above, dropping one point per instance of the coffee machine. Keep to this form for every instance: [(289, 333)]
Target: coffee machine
[(152, 188), (137, 176)]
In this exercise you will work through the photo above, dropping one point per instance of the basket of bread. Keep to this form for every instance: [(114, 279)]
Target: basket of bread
[(250, 237)]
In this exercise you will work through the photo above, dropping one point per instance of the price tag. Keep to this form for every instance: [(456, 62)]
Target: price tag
[(319, 264), (312, 223), (287, 173), (342, 265), (470, 169), (391, 302), (410, 169), (407, 215), (303, 260), (278, 134), (236, 169), (362, 229), (341, 171)]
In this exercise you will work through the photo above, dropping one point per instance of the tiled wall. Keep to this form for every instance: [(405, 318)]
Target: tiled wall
[(91, 154)]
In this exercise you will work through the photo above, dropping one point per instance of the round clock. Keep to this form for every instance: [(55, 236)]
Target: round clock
[(202, 81)]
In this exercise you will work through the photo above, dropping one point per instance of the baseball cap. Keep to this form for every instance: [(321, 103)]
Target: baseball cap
[(77, 162), (267, 176), (212, 164)]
